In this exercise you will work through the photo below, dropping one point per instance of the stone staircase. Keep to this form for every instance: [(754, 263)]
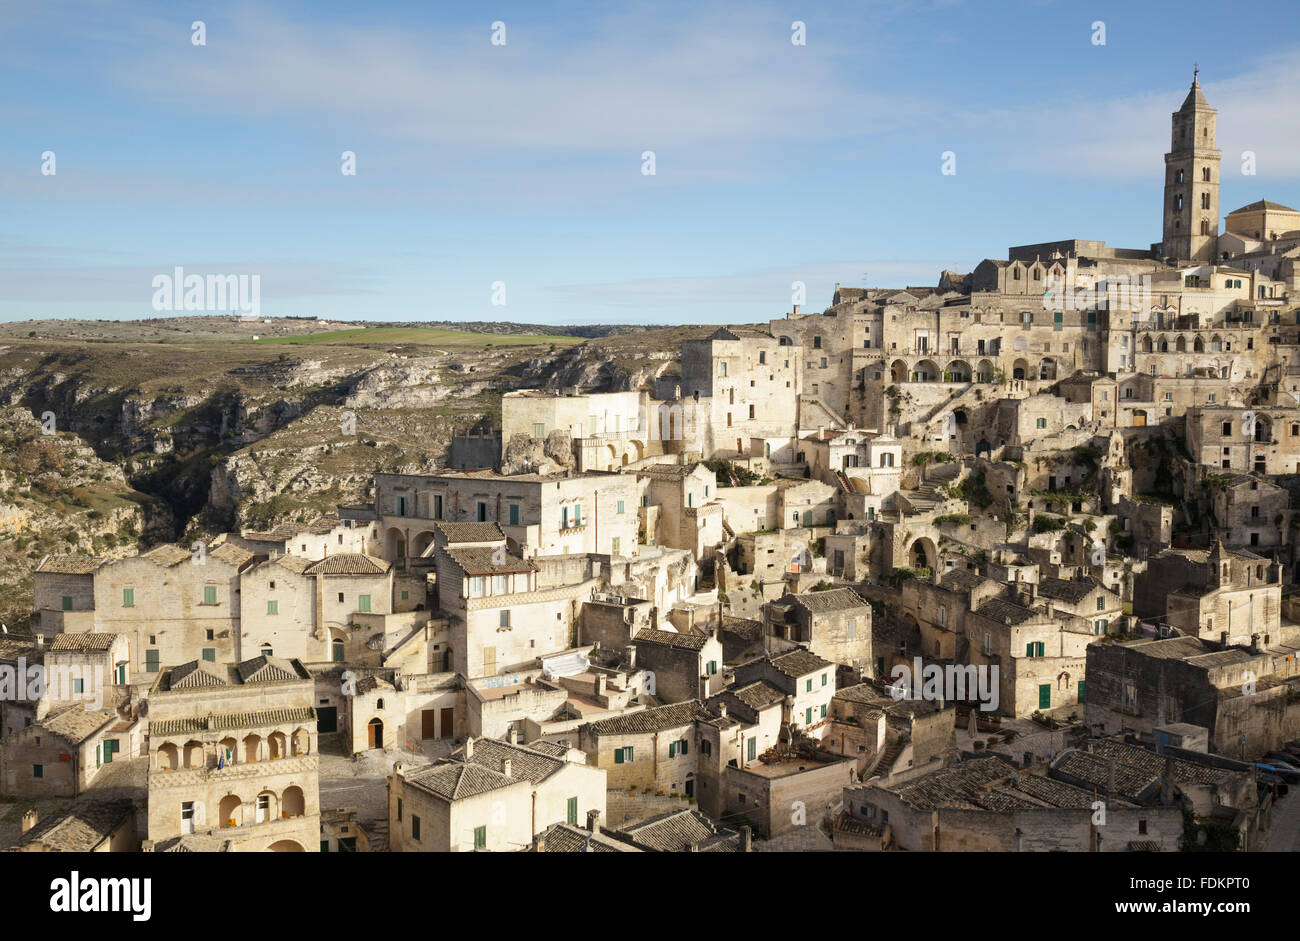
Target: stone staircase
[(885, 760), (926, 498)]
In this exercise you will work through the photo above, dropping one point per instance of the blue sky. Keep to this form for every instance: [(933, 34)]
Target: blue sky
[(521, 163)]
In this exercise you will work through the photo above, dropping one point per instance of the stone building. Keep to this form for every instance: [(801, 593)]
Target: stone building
[(1226, 595), (835, 625), (986, 803), (683, 665), (491, 795), (233, 757)]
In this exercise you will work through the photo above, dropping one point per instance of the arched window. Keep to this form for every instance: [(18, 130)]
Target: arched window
[(1205, 226), (1205, 174), (1178, 178), (338, 650), (1205, 200)]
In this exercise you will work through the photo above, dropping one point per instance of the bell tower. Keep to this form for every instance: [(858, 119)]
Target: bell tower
[(1191, 213)]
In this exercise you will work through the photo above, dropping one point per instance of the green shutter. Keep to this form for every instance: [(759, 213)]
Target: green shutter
[(672, 749), (573, 811), (1080, 690), (273, 607), (363, 602), (1045, 696), (618, 756), (753, 749), (808, 713), (128, 597), (480, 837), (209, 594), (151, 661), (67, 602)]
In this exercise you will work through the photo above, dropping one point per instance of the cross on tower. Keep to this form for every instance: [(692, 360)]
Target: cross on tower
[(1196, 70)]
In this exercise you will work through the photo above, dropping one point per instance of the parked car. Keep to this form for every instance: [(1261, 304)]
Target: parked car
[(1286, 774)]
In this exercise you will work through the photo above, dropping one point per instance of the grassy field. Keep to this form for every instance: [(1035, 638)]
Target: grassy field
[(423, 336)]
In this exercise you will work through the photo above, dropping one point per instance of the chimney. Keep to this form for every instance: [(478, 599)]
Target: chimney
[(469, 748), (513, 736), (507, 765), (746, 839), (541, 842), (630, 652), (29, 819), (601, 679), (821, 430), (796, 310), (722, 709), (593, 821)]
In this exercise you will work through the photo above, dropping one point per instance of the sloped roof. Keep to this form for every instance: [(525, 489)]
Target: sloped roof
[(233, 720), (1262, 204), (83, 641), (652, 635), (487, 561), (266, 670), (800, 662), (348, 563), (470, 532), (79, 827), (76, 723), (70, 564), (167, 555), (822, 602), (196, 674), (456, 780), (653, 720), (671, 832), (525, 762)]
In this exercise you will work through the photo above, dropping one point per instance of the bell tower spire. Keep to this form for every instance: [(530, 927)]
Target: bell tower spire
[(1191, 210)]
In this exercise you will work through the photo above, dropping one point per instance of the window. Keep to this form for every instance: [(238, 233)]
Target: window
[(1034, 649), (751, 752), (78, 686), (208, 634), (209, 594), (128, 598), (823, 679), (615, 546), (624, 756), (573, 812), (706, 747), (620, 508), (808, 687), (711, 668), (151, 661), (1041, 423), (67, 602), (337, 653), (210, 654), (1099, 627), (415, 828), (499, 585), (823, 713), (399, 809), (340, 597), (273, 607), (1101, 602), (504, 620), (480, 838), (539, 430)]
